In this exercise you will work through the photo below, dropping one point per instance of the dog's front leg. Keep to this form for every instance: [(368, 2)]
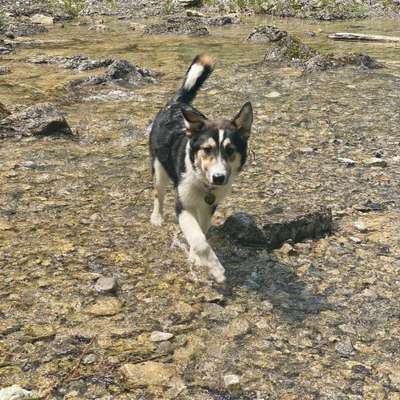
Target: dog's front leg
[(199, 245)]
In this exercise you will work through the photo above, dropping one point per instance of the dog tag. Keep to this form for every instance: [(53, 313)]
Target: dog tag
[(210, 198)]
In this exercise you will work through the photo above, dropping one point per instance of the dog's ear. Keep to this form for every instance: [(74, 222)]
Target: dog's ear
[(193, 122), (244, 120)]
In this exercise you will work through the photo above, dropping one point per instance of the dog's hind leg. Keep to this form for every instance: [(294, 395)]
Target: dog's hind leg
[(160, 178), (199, 247)]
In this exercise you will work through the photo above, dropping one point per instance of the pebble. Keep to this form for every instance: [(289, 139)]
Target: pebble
[(16, 392), (345, 348), (231, 381), (158, 336), (149, 373), (238, 327), (106, 284), (105, 307), (273, 95), (89, 359), (376, 162), (360, 226), (348, 161)]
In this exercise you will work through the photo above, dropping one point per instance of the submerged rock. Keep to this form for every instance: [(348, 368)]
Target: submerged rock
[(178, 26), (149, 373), (5, 47), (4, 70), (24, 29), (42, 119), (79, 62), (243, 228)]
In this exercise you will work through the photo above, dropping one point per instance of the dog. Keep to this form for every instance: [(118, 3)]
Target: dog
[(201, 157)]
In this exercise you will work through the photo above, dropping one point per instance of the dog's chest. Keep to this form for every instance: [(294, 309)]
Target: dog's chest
[(194, 196)]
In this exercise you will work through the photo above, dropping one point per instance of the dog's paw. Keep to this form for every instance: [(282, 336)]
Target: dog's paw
[(217, 271), (156, 219)]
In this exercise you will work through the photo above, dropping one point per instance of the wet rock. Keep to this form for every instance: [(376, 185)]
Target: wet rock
[(157, 336), (345, 348), (120, 72), (266, 34), (238, 327), (4, 70), (231, 381), (16, 392), (5, 47), (243, 228), (105, 307), (106, 284), (348, 161), (89, 359), (35, 333), (25, 29), (42, 19), (177, 26), (150, 374), (376, 162), (289, 50), (3, 111), (42, 119), (79, 62)]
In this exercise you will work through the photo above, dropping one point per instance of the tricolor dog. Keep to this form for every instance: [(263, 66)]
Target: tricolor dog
[(201, 157)]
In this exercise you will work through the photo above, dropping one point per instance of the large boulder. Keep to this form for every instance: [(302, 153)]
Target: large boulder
[(42, 119)]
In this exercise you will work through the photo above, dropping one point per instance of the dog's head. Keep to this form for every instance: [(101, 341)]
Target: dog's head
[(218, 149)]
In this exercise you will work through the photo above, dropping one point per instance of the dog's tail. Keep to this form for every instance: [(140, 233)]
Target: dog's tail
[(196, 75)]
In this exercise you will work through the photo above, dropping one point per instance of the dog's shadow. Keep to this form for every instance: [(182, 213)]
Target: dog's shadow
[(260, 273)]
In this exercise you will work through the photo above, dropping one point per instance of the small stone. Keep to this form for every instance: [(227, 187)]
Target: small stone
[(157, 336), (106, 284), (4, 70), (273, 95), (348, 161), (360, 226), (238, 327), (231, 381), (287, 250), (149, 373), (42, 19), (267, 305), (194, 13), (376, 162), (89, 359), (345, 348), (355, 239), (107, 306)]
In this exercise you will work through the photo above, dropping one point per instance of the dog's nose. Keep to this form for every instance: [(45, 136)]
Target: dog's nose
[(218, 179)]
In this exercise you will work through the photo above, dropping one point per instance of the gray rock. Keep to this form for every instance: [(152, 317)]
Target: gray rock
[(106, 284), (158, 336), (348, 161), (42, 119), (178, 26), (89, 359), (376, 162), (231, 381), (243, 228), (79, 62), (190, 3), (238, 327), (345, 348), (42, 19), (266, 34), (5, 47), (25, 29), (4, 70), (360, 226)]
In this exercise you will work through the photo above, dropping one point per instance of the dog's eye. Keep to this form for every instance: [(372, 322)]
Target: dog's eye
[(207, 149), (229, 150)]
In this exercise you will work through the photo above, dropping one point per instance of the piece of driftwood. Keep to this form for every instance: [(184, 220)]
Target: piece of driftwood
[(363, 37)]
